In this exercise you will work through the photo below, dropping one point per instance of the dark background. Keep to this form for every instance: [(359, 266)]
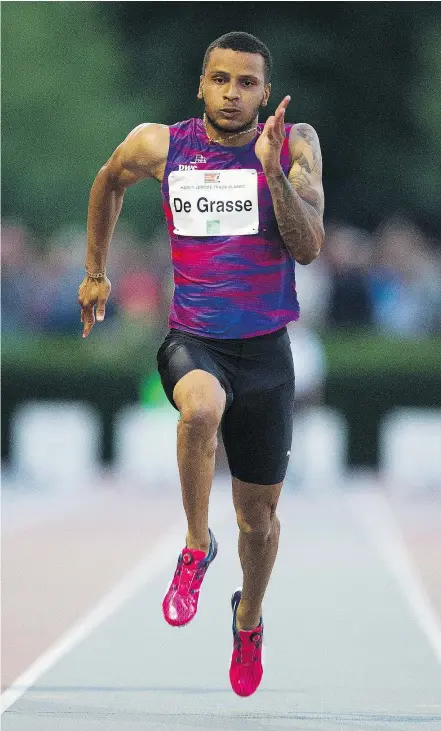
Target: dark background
[(78, 76)]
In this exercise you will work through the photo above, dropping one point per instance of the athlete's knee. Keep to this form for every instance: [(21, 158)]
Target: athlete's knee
[(201, 402), (258, 520), (201, 418)]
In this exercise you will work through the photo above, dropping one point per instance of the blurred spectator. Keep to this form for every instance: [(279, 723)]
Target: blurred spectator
[(63, 271), (137, 276), (19, 262), (138, 295), (405, 281), (348, 251), (390, 281), (313, 285)]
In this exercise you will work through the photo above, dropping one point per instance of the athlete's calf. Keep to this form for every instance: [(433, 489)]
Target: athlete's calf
[(259, 530)]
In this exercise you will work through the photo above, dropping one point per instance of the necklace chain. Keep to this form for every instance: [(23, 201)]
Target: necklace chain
[(228, 137)]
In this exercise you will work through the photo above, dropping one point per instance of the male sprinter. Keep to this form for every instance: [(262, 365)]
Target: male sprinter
[(243, 202)]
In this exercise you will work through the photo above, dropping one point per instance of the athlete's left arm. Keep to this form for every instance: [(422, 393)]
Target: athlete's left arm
[(298, 199)]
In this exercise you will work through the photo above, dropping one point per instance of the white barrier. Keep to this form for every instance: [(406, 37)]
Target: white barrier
[(410, 449), (145, 445), (55, 444), (319, 449)]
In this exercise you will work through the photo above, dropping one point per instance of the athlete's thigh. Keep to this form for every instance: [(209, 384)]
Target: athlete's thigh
[(198, 393), (257, 434), (184, 365)]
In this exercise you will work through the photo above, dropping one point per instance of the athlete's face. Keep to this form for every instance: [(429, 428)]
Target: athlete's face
[(233, 88)]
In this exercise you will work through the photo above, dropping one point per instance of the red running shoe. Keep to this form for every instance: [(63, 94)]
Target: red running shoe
[(181, 601), (246, 662)]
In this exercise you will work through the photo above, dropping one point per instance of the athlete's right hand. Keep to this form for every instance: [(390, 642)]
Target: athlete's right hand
[(93, 293)]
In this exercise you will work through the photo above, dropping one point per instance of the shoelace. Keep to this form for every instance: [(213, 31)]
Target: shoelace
[(186, 573), (247, 651)]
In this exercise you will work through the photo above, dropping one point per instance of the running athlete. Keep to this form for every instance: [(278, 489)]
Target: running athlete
[(243, 202)]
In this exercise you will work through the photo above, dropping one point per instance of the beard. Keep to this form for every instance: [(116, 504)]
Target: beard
[(236, 130)]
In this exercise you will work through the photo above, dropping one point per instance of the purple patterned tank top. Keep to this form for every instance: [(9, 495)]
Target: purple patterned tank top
[(233, 276)]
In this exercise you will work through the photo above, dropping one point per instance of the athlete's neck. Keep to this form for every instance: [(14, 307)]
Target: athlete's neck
[(239, 137)]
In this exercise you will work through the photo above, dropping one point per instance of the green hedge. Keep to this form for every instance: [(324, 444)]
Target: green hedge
[(367, 375), (132, 351), (364, 352)]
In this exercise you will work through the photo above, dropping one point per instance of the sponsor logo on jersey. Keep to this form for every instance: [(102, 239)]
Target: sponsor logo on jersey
[(193, 164)]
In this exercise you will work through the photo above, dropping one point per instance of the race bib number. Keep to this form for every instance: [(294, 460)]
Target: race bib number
[(214, 202)]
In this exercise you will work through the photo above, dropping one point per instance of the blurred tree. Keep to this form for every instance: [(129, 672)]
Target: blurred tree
[(372, 63), (66, 105), (78, 76), (423, 181), (348, 67)]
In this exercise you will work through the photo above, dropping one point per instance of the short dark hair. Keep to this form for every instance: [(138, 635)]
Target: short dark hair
[(245, 42)]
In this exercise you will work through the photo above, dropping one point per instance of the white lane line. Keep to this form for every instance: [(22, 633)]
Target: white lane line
[(162, 555), (373, 510)]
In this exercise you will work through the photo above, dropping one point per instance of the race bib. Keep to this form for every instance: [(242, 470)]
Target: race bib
[(214, 202)]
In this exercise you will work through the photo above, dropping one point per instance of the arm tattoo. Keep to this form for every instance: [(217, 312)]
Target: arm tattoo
[(304, 166), (299, 204), (298, 177), (305, 131), (299, 224)]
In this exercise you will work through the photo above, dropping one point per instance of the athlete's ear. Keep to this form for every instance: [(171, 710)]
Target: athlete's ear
[(266, 95), (201, 89)]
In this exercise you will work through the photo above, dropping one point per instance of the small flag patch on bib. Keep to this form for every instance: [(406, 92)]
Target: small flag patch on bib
[(213, 227)]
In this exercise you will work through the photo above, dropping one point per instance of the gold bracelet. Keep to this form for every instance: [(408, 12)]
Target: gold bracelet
[(98, 275)]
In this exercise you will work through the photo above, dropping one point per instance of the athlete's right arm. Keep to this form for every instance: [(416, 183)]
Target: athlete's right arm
[(142, 155)]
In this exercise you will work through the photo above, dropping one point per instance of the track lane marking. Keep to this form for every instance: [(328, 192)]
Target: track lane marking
[(374, 512), (147, 570)]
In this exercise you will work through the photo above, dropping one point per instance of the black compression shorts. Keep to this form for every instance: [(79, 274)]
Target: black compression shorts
[(257, 375)]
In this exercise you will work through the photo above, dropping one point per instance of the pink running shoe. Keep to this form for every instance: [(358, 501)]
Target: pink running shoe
[(181, 601), (246, 662)]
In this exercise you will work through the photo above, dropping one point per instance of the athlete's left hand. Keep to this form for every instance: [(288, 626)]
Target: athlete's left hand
[(269, 144)]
